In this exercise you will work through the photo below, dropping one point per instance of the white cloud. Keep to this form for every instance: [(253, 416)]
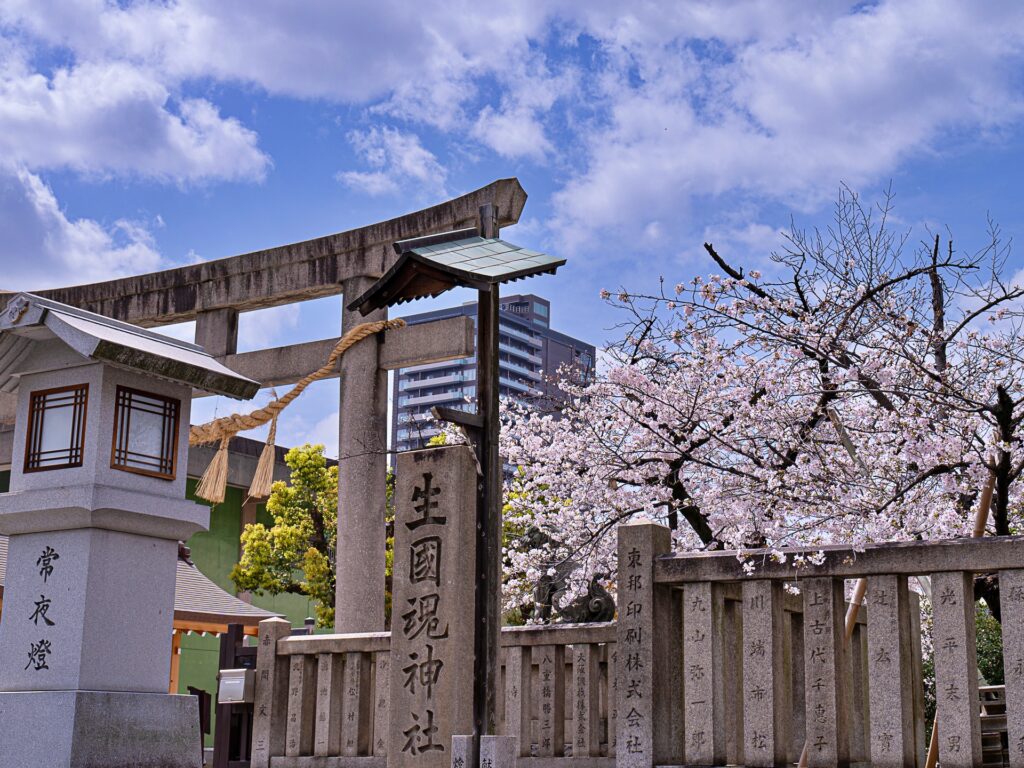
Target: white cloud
[(398, 161), (356, 51), (848, 98), (638, 109), (114, 117), (325, 432), (512, 133), (264, 328), (44, 248)]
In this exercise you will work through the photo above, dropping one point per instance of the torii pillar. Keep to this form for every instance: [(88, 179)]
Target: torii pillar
[(362, 468)]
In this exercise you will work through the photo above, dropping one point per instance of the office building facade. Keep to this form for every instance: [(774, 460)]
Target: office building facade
[(530, 353)]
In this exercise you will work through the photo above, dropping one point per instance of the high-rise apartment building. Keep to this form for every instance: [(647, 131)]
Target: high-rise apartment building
[(529, 352)]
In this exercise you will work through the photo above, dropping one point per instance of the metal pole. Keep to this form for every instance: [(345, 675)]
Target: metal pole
[(489, 491)]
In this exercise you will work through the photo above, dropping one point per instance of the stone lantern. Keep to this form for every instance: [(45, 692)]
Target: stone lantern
[(94, 513)]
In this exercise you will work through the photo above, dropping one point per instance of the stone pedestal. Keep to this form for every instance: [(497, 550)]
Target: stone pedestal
[(79, 611), (85, 644), (99, 729), (85, 634)]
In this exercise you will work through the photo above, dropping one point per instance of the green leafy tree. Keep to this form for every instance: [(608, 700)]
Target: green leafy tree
[(296, 555)]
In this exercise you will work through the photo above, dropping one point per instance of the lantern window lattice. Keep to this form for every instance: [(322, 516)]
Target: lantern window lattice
[(56, 428), (145, 437)]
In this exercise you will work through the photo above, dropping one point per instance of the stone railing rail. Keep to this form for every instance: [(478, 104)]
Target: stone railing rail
[(324, 699), (320, 696), (717, 681)]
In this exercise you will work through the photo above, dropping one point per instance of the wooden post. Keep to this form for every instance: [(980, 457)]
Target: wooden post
[(175, 661), (225, 660), (488, 549)]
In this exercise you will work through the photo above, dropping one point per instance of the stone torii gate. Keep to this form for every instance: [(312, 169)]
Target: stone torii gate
[(348, 263)]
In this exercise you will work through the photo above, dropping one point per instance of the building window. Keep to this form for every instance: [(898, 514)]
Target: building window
[(145, 433), (56, 428)]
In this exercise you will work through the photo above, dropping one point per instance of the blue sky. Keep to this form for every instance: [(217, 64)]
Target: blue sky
[(136, 136)]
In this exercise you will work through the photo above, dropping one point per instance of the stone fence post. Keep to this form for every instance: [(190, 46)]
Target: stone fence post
[(649, 720), (271, 705)]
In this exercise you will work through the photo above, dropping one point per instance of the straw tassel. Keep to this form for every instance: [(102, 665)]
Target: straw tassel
[(215, 480), (263, 478)]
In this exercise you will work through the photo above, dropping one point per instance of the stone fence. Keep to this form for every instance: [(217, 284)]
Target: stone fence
[(324, 700), (703, 682), (706, 665)]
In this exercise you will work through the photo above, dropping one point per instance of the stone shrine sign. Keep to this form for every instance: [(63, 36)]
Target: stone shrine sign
[(432, 624)]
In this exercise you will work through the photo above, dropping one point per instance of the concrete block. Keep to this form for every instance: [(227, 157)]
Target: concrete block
[(1011, 593), (462, 752), (890, 672), (826, 670), (648, 714), (956, 670), (498, 751), (94, 729), (767, 706)]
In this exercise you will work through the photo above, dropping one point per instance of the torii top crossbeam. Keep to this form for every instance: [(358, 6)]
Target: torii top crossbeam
[(283, 274)]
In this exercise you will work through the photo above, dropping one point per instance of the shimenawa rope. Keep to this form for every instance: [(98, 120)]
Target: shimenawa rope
[(213, 484)]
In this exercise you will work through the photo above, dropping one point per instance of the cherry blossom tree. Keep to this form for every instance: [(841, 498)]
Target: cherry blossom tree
[(860, 390)]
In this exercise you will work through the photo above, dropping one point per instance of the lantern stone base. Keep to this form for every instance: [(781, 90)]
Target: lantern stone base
[(99, 729)]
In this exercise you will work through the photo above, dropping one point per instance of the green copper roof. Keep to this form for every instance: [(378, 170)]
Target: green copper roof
[(431, 265), (493, 260)]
